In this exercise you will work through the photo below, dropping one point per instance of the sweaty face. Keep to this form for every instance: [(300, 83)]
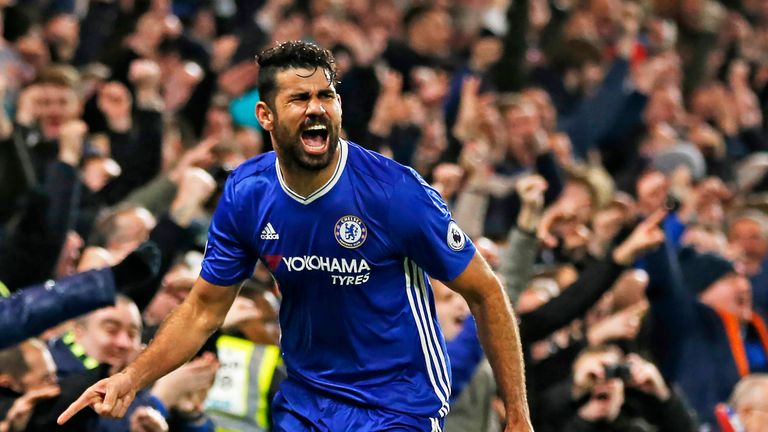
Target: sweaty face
[(307, 119)]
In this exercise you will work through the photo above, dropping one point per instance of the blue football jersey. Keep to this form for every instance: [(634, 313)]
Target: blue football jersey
[(357, 315)]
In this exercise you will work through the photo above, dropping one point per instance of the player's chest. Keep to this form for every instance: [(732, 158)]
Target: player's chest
[(334, 245)]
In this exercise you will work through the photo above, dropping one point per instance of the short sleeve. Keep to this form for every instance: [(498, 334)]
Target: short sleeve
[(228, 259), (424, 231)]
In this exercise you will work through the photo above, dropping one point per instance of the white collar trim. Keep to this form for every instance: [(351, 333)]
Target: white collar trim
[(340, 164)]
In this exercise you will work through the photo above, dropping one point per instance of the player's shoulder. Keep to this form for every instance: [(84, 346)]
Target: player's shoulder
[(379, 167), (261, 167)]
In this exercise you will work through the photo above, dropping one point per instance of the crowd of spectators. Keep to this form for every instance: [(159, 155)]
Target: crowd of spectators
[(608, 157)]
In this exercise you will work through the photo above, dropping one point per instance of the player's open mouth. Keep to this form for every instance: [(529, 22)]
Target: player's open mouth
[(315, 139)]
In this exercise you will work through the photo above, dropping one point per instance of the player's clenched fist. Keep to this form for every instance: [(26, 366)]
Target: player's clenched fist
[(109, 397)]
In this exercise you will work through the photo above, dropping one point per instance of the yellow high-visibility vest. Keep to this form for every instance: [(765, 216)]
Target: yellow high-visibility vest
[(239, 398)]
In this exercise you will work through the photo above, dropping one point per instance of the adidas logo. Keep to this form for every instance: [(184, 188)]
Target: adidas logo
[(269, 233)]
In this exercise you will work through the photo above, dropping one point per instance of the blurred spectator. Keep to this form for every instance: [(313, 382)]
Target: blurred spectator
[(121, 120), (748, 400), (703, 315), (614, 392)]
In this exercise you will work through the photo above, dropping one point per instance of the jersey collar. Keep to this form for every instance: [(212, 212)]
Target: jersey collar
[(340, 164)]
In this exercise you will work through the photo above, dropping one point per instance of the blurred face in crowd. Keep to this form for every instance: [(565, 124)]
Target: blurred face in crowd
[(733, 293), (56, 105), (578, 200), (432, 31), (662, 34), (174, 289), (249, 142), (544, 107), (748, 236), (42, 369), (651, 192), (111, 335), (606, 223), (608, 394), (665, 106), (750, 400), (306, 120), (452, 309), (607, 14), (522, 123)]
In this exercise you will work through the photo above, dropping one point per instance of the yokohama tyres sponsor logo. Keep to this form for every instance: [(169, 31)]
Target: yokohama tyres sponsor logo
[(328, 264)]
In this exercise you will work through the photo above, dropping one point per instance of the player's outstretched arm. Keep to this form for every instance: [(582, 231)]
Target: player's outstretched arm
[(179, 338), (499, 335)]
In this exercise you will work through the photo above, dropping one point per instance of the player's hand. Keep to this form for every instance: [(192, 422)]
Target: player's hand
[(109, 397)]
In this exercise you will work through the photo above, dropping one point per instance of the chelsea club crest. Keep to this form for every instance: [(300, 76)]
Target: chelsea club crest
[(350, 232)]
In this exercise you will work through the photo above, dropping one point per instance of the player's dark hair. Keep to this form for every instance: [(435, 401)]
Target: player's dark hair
[(291, 55)]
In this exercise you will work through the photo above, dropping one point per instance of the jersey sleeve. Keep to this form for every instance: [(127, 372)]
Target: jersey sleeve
[(424, 231), (228, 259)]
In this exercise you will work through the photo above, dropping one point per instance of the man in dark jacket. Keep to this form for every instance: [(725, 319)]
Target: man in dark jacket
[(32, 310), (707, 335)]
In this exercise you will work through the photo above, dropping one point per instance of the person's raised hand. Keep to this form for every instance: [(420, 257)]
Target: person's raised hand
[(147, 419), (71, 137), (196, 375), (447, 179), (200, 156), (645, 376), (109, 397), (242, 310), (647, 235), (195, 187), (114, 101), (623, 325), (553, 216), (18, 416), (531, 190), (144, 73)]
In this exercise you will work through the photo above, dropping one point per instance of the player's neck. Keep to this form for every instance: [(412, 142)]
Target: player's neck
[(306, 182)]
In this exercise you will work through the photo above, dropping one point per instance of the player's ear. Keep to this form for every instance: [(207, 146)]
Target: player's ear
[(265, 116)]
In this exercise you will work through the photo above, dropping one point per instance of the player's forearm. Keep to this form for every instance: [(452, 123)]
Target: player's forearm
[(179, 338), (499, 335)]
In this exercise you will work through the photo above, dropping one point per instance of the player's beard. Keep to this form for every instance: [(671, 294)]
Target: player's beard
[(291, 151)]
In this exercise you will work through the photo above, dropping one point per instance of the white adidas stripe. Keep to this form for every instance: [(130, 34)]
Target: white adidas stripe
[(435, 425), (433, 332), (429, 328), (429, 344)]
